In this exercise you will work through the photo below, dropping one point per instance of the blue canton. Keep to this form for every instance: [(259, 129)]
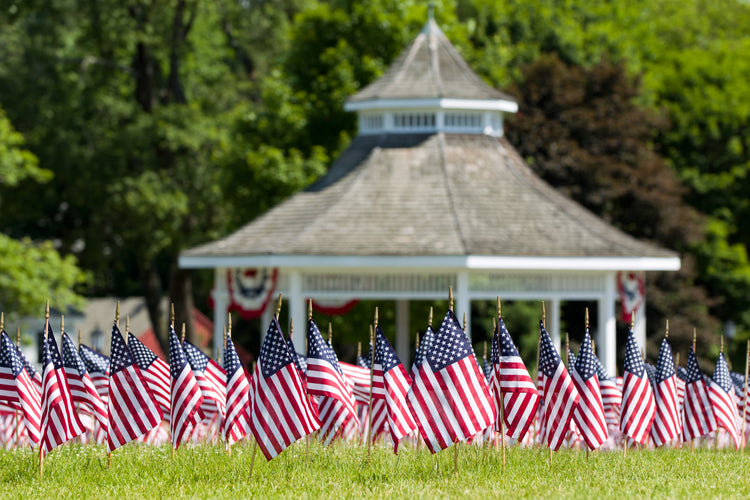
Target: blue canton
[(51, 353), (633, 360), (682, 374), (177, 359), (318, 348), (571, 358), (231, 360), (274, 353), (507, 347), (197, 358), (664, 363), (549, 359), (721, 374), (70, 355), (693, 369), (94, 361), (120, 357), (385, 356), (738, 380), (651, 372), (300, 361), (586, 364), (9, 355), (449, 345), (142, 354)]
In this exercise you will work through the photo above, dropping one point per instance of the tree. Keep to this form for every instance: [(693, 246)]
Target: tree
[(31, 272), (582, 132)]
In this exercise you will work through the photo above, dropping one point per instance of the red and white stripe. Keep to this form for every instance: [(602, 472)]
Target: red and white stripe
[(20, 394), (589, 414), (360, 379), (725, 412), (520, 396), (697, 416), (666, 425), (638, 408), (560, 400), (396, 387)]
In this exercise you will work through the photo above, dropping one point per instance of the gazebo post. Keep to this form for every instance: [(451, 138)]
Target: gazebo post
[(297, 310), (553, 324), (606, 338), (402, 330), (463, 303), (221, 304)]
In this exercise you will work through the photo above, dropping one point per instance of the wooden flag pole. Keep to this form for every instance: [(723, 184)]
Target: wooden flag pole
[(744, 409), (2, 321), (41, 441), (692, 440), (372, 371), (544, 323), (18, 413), (538, 347), (499, 386), (716, 433)]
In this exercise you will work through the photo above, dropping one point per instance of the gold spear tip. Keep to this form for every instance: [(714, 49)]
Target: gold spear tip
[(79, 336), (18, 336), (309, 309), (695, 334), (544, 314), (46, 310), (372, 335), (278, 306), (721, 349), (291, 326), (229, 322), (632, 319), (330, 333), (171, 314), (484, 349), (376, 316), (450, 298), (417, 346), (499, 310), (429, 320), (117, 312), (359, 348), (494, 324), (587, 317), (62, 323), (127, 323), (464, 321), (2, 321), (183, 332), (666, 332)]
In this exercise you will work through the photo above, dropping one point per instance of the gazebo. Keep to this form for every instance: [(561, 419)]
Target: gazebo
[(429, 195)]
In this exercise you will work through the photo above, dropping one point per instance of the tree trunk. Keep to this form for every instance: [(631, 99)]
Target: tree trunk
[(152, 292), (181, 295)]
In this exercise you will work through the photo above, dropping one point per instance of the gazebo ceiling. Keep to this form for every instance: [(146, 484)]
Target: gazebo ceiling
[(430, 195)]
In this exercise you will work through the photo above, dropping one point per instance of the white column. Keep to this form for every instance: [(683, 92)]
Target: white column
[(639, 326), (606, 338), (462, 303), (297, 311), (221, 304), (402, 331), (553, 324)]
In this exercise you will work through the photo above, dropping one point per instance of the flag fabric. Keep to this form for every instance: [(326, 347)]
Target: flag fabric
[(611, 393), (155, 371), (333, 414), (300, 360), (97, 365), (60, 423), (589, 414), (512, 386), (667, 425), (36, 377), (132, 409), (186, 398), (721, 394), (360, 379), (82, 388), (17, 389), (697, 414), (390, 383), (449, 397), (559, 393), (638, 406), (212, 379), (281, 412), (651, 372), (236, 423), (324, 376)]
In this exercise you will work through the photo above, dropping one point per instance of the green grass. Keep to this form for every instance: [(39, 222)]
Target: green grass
[(340, 471)]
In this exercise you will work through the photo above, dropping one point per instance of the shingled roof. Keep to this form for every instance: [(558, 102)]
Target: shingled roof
[(427, 195), (430, 67)]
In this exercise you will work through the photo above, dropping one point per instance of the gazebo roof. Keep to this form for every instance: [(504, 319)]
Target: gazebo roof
[(429, 68), (430, 195)]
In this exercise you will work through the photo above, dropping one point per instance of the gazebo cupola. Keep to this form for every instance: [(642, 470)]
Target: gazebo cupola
[(429, 89)]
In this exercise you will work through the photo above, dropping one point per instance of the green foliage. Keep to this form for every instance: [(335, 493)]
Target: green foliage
[(342, 471)]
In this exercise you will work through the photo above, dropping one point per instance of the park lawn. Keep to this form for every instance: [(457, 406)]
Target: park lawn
[(342, 471)]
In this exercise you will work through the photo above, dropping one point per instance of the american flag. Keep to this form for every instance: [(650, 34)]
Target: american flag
[(681, 378), (571, 358), (360, 378), (17, 388), (666, 424), (651, 372), (560, 394), (132, 410), (82, 387), (280, 412), (611, 393), (237, 420), (390, 383), (486, 369), (97, 364), (426, 342), (510, 378), (60, 423), (300, 360), (211, 377), (449, 397), (697, 415), (638, 407), (589, 414), (36, 378), (721, 393), (155, 371), (324, 376), (334, 414), (186, 394)]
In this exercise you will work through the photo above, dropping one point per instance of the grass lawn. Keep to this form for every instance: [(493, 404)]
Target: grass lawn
[(341, 471)]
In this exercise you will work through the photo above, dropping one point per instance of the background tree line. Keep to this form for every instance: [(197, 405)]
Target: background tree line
[(150, 127)]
